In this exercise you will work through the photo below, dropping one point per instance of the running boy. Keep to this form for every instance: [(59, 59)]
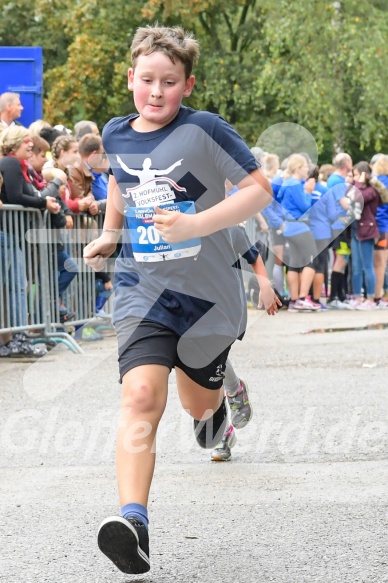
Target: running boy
[(178, 300)]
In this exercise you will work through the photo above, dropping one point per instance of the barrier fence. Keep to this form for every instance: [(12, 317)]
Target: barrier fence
[(42, 274), (42, 270)]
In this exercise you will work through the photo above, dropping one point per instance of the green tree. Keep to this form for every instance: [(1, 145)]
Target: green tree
[(321, 64)]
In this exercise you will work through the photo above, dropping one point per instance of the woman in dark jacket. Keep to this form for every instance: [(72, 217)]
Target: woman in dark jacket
[(364, 233), (15, 146)]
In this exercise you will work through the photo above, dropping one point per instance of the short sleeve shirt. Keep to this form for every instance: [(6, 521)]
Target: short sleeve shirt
[(182, 166)]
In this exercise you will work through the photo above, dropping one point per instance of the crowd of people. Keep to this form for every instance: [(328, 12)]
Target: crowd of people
[(323, 238), (326, 231), (56, 170)]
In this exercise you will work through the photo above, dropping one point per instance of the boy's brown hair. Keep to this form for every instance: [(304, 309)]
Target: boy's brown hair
[(174, 42)]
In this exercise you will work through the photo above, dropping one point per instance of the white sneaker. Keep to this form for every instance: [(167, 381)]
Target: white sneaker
[(338, 305), (350, 304)]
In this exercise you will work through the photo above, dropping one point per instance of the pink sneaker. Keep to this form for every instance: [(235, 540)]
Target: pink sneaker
[(307, 305), (367, 305), (316, 306)]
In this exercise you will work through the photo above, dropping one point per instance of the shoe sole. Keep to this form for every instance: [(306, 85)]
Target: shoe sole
[(217, 457), (118, 540)]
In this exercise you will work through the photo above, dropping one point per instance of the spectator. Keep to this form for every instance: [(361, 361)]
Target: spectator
[(104, 288), (342, 168), (10, 109), (16, 147), (63, 130), (84, 127), (66, 266), (325, 171), (337, 185), (273, 214), (65, 155), (259, 154), (380, 256), (302, 249), (364, 233), (81, 176), (271, 165), (37, 126), (49, 134), (322, 213), (17, 189), (373, 162)]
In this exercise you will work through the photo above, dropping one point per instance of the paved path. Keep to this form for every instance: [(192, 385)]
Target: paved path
[(304, 499)]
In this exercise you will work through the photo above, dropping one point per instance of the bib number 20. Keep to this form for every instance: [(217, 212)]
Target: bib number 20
[(148, 235)]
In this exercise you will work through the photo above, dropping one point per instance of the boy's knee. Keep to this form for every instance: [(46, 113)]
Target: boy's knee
[(141, 397)]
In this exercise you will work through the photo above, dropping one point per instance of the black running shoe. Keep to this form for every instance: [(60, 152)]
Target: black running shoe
[(125, 543), (209, 433)]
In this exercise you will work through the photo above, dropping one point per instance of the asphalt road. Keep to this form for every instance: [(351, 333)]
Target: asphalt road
[(304, 499)]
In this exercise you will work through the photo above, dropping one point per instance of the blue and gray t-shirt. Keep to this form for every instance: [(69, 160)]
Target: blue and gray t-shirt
[(182, 166)]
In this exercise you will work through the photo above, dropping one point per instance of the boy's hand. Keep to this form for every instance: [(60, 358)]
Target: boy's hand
[(174, 226), (269, 300), (97, 252)]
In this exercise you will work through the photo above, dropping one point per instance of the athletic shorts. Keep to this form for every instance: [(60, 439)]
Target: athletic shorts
[(341, 242), (144, 342), (302, 250), (321, 261), (382, 242)]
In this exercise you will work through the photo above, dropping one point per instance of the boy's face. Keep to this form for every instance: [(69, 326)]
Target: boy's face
[(37, 161), (158, 87)]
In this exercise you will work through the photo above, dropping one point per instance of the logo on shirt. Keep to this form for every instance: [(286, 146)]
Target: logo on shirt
[(154, 187)]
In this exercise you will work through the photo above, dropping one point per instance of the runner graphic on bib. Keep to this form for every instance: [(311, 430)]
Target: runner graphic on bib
[(155, 189)]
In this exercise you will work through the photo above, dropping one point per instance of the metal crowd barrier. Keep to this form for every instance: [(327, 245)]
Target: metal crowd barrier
[(21, 310), (29, 274)]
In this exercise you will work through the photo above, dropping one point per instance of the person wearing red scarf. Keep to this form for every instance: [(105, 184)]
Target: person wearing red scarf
[(16, 145)]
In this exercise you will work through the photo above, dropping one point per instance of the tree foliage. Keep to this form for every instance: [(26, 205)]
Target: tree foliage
[(320, 64)]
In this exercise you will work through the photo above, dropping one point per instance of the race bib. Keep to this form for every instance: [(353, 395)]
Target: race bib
[(147, 244)]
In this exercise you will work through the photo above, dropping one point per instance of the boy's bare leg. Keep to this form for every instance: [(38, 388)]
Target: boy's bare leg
[(143, 402), (199, 402)]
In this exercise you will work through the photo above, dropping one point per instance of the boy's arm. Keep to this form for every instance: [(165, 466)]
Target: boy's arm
[(253, 195), (97, 252), (114, 213), (267, 296)]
